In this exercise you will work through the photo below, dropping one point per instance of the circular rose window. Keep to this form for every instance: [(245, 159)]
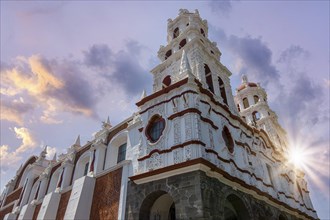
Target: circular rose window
[(155, 128)]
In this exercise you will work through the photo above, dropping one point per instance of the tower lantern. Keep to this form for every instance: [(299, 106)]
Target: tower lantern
[(251, 102)]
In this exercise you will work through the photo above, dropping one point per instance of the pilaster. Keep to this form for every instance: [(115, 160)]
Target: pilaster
[(49, 206), (81, 198)]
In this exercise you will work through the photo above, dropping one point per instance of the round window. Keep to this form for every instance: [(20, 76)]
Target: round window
[(155, 128)]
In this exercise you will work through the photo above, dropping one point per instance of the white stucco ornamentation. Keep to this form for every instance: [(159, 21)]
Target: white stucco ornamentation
[(190, 122)]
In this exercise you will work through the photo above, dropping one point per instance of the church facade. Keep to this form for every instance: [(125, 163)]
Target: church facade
[(192, 150)]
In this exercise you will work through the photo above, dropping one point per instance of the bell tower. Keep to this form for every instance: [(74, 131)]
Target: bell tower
[(189, 33), (251, 102)]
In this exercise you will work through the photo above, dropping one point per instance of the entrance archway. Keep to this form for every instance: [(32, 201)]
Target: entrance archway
[(157, 206), (234, 209), (282, 217)]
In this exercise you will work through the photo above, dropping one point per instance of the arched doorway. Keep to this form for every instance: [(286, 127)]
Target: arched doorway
[(157, 206), (282, 217), (234, 209)]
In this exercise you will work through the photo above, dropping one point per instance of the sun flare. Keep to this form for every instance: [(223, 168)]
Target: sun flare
[(297, 157)]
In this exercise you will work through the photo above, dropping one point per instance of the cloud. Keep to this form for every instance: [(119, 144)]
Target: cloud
[(301, 101), (302, 93), (51, 85), (222, 7), (28, 142), (252, 57), (293, 52), (42, 9), (54, 86), (121, 70), (300, 96), (13, 110), (98, 55), (10, 158)]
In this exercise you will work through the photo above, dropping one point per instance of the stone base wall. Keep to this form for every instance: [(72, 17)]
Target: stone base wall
[(197, 196), (184, 190)]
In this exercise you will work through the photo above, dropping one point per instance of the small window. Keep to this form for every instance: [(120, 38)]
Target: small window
[(187, 24), (222, 91), (121, 153), (168, 54), (182, 43), (166, 81), (246, 103), (212, 52), (155, 128), (202, 32), (256, 116), (208, 76), (256, 99), (238, 108), (86, 168), (175, 33), (228, 139)]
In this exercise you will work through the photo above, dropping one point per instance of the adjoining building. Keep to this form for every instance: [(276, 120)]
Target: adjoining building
[(191, 151)]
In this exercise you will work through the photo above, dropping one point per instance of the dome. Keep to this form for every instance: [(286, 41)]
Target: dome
[(244, 85)]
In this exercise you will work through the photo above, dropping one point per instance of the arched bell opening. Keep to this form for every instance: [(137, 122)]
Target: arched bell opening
[(234, 209), (157, 206)]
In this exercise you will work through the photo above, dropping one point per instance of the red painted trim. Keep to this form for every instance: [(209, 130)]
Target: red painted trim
[(193, 110), (162, 92), (31, 160), (168, 100), (245, 144)]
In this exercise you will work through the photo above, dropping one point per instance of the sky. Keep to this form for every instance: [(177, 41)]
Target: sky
[(67, 66)]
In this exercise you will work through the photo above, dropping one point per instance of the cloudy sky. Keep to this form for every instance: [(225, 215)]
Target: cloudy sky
[(66, 66)]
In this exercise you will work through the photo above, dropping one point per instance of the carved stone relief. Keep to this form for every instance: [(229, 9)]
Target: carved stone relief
[(188, 152), (177, 156), (177, 131), (157, 110), (188, 127), (154, 162)]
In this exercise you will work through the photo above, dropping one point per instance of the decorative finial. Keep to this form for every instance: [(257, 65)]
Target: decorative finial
[(77, 142), (184, 67), (144, 94), (244, 79), (43, 154), (54, 157), (107, 123)]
